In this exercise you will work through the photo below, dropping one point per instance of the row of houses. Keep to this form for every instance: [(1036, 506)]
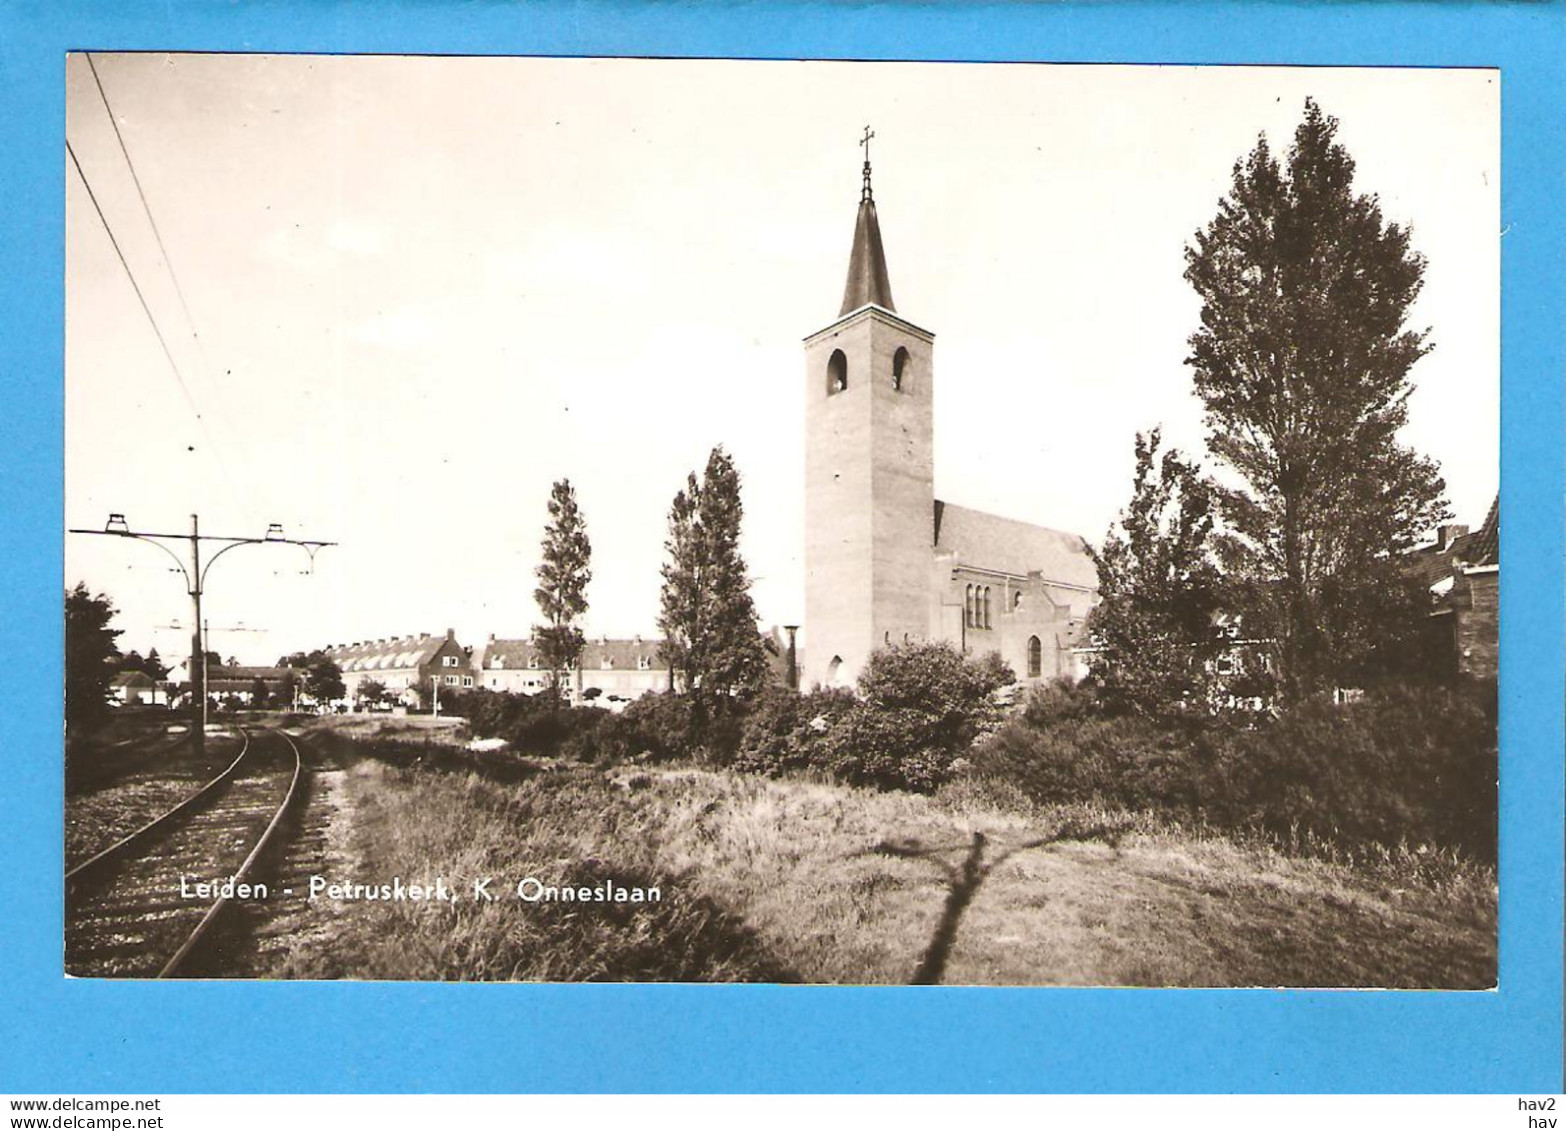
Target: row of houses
[(610, 671)]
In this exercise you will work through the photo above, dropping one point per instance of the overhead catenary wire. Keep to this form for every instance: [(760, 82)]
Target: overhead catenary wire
[(135, 286), (146, 207), (168, 263)]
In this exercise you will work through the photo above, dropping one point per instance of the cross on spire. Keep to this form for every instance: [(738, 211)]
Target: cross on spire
[(866, 195)]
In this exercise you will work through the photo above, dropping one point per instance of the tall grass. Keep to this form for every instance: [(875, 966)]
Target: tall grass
[(419, 825), (784, 880)]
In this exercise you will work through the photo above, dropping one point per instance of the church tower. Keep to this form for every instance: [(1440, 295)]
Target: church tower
[(869, 470)]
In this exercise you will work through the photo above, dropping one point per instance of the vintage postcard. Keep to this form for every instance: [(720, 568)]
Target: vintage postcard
[(596, 519)]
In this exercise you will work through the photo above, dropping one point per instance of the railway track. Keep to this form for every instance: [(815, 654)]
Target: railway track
[(129, 909)]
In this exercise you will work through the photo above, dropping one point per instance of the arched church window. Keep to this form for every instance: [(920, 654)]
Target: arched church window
[(837, 372), (967, 607), (1035, 658), (1016, 600), (986, 606), (835, 672), (899, 368)]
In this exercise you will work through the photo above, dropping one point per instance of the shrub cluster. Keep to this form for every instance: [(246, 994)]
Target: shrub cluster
[(654, 726), (919, 708), (1406, 764)]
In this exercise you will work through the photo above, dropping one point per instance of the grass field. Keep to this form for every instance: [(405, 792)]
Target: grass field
[(798, 881)]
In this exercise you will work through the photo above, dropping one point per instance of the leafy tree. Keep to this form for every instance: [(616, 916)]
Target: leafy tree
[(1302, 364), (373, 692), (323, 679), (150, 664), (707, 617), (259, 696), (90, 656), (562, 586), (1159, 589)]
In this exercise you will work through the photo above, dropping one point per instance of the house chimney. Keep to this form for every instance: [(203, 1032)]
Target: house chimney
[(1448, 534), (451, 634)]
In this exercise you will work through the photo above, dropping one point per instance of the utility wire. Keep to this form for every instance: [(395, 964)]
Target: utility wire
[(145, 207), (201, 420), (168, 262), (135, 286)]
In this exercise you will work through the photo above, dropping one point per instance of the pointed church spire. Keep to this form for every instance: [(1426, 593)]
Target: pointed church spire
[(867, 278)]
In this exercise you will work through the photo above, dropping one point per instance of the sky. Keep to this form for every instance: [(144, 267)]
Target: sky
[(417, 291)]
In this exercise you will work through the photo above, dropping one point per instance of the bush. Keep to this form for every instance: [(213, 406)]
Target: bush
[(919, 709), (1406, 764), (786, 733), (1413, 765), (1060, 700), (663, 724)]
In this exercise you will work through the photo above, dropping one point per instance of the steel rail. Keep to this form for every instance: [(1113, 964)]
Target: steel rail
[(265, 841), (156, 823)]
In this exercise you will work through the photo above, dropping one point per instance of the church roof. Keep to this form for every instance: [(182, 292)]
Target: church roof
[(988, 541), (867, 279)]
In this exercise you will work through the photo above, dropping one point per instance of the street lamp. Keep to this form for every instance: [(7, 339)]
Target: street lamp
[(791, 673), (195, 585)]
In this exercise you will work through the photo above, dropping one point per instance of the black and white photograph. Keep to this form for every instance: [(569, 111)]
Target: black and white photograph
[(851, 523)]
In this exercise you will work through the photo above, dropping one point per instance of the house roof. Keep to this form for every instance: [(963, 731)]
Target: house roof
[(131, 679), (392, 653), (1486, 547), (242, 677), (987, 541), (622, 653), (1434, 563), (246, 672)]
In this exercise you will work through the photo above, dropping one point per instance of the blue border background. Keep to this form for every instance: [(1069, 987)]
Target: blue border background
[(65, 1036)]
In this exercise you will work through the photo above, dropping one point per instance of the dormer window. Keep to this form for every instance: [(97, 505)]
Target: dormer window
[(644, 663)]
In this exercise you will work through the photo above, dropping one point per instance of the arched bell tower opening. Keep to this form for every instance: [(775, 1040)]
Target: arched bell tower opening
[(837, 373), (869, 469), (899, 368)]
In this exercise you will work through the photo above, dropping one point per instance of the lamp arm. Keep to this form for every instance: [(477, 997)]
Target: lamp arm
[(232, 545), (166, 550)]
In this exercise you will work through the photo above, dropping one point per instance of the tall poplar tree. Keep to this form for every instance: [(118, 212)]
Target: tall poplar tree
[(1302, 363), (707, 618), (563, 575), (681, 616)]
